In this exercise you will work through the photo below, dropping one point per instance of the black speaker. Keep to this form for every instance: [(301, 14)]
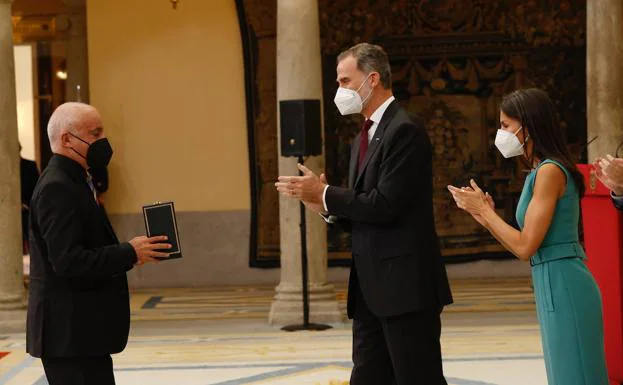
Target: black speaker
[(300, 127)]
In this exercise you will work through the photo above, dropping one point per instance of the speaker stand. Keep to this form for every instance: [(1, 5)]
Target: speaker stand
[(306, 325)]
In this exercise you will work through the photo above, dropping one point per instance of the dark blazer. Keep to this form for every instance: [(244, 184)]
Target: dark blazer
[(78, 301), (618, 203), (396, 258)]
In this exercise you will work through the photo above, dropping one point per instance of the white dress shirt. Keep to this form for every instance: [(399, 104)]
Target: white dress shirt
[(376, 117)]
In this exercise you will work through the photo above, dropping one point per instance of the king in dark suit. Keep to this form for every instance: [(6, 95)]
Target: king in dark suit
[(78, 305), (398, 284)]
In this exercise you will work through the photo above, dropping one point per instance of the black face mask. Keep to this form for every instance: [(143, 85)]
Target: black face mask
[(99, 153)]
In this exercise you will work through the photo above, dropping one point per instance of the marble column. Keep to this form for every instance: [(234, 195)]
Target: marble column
[(12, 298), (74, 25), (299, 77), (604, 89)]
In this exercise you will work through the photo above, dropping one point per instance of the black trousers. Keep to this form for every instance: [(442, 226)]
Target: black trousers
[(79, 370), (400, 350)]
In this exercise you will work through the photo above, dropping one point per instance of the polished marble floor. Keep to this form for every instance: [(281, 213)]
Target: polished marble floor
[(219, 336)]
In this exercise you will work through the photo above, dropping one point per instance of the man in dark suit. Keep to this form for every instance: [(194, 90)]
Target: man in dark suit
[(398, 284), (78, 306)]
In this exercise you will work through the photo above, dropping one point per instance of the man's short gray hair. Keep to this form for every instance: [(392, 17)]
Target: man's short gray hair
[(66, 117), (370, 58)]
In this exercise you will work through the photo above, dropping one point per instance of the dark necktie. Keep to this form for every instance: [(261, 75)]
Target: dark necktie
[(363, 142)]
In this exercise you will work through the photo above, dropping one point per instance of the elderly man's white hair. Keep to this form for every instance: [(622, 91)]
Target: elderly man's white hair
[(66, 118)]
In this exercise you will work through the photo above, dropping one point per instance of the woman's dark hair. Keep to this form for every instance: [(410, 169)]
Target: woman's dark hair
[(537, 114)]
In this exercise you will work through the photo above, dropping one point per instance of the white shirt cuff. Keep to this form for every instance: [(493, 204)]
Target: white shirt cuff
[(324, 199), (327, 218), (617, 198)]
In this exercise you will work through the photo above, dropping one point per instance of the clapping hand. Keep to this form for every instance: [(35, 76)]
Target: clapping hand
[(309, 188), (473, 200), (610, 172)]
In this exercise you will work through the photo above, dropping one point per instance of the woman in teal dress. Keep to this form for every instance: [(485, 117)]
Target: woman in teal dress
[(568, 300)]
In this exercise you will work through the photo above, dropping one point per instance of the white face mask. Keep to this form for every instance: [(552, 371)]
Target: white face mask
[(349, 101), (509, 144)]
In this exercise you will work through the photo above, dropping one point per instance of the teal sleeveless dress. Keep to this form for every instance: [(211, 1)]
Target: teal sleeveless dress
[(567, 297)]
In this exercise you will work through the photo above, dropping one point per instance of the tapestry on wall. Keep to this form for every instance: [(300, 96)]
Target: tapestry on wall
[(452, 62)]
